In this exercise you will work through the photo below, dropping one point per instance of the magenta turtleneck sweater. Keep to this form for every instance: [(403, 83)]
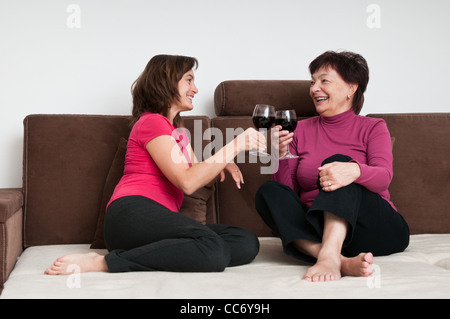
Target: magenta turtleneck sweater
[(366, 140)]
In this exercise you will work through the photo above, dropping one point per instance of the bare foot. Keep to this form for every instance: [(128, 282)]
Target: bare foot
[(328, 269), (358, 266), (90, 262), (325, 269)]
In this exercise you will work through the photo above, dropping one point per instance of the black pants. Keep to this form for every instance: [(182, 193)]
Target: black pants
[(142, 235), (374, 225)]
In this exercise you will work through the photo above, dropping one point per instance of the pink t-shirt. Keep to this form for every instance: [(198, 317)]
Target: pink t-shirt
[(141, 174), (366, 140)]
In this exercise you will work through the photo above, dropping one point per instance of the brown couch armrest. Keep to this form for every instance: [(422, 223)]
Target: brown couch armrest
[(11, 224)]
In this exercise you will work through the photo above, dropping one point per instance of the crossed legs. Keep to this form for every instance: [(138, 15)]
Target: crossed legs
[(331, 265)]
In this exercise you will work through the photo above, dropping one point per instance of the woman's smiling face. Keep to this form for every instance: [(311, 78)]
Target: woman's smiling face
[(187, 91), (330, 93)]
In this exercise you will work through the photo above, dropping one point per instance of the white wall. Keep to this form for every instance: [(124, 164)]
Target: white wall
[(51, 64)]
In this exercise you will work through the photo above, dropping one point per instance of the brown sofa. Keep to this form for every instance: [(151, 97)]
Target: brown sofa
[(72, 162)]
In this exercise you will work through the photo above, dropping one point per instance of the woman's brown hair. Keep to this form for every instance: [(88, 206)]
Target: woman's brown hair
[(156, 89), (352, 67)]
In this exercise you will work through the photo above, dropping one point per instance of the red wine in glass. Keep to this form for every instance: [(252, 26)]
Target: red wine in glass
[(263, 121), (263, 118), (288, 125), (288, 121)]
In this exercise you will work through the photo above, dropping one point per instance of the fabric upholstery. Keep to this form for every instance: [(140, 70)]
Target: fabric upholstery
[(66, 161), (11, 200), (421, 272), (11, 221), (198, 128), (421, 184), (238, 98), (113, 177), (237, 206)]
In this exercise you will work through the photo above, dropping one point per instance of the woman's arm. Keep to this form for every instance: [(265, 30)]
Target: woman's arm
[(231, 168), (376, 175), (168, 156)]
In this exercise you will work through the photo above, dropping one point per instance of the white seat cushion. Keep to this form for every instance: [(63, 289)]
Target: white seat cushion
[(422, 271)]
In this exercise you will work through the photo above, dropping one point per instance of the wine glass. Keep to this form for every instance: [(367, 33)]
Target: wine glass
[(263, 117), (288, 121)]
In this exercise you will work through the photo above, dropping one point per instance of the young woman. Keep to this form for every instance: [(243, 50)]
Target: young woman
[(143, 230)]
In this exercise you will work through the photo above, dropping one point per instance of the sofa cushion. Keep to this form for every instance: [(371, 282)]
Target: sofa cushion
[(416, 273), (113, 177), (239, 97), (195, 205), (199, 130), (11, 200), (420, 187), (237, 206), (66, 161), (234, 102), (11, 221)]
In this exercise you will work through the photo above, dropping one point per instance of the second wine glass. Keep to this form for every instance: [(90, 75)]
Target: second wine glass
[(288, 121)]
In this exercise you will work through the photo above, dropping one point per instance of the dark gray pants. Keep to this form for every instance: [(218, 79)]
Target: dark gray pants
[(142, 235)]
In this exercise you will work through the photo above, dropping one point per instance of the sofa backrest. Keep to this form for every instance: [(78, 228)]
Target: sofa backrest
[(66, 163), (421, 185), (67, 159), (234, 104), (239, 97), (420, 188)]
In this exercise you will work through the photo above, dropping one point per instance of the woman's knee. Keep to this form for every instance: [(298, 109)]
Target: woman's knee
[(216, 257), (247, 250), (242, 243), (337, 158), (267, 188)]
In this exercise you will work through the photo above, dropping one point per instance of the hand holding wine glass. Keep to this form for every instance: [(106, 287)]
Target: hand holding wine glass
[(250, 139), (287, 119)]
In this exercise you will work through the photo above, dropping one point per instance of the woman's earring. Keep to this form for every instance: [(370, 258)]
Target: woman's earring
[(348, 97)]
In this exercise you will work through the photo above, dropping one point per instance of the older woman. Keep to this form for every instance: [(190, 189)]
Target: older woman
[(332, 206)]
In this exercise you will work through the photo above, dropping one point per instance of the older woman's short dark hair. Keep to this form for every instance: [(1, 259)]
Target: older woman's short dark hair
[(352, 67)]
